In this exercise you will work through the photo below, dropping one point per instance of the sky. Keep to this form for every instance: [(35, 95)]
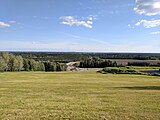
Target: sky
[(80, 25)]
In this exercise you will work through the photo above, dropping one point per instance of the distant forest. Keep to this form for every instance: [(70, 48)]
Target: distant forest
[(77, 56)]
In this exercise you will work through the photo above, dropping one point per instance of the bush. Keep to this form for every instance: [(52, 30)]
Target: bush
[(119, 71)]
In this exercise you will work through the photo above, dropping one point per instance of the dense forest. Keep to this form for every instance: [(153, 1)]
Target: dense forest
[(10, 62), (77, 56), (94, 62)]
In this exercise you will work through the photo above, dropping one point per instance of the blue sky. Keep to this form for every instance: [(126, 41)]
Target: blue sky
[(80, 25)]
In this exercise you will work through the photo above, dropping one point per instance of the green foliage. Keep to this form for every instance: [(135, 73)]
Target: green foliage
[(35, 61), (129, 70), (26, 65), (119, 71), (54, 66), (72, 56), (3, 65), (40, 66), (5, 57), (10, 62), (94, 62), (32, 65), (50, 66)]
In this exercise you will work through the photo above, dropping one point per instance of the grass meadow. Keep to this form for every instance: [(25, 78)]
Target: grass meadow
[(78, 96)]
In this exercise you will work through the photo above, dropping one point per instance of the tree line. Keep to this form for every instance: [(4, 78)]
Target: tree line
[(78, 56), (95, 62), (10, 62)]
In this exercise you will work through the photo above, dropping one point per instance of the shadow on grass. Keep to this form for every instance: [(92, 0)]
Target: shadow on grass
[(142, 88)]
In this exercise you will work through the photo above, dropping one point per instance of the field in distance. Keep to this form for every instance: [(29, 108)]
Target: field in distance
[(78, 95)]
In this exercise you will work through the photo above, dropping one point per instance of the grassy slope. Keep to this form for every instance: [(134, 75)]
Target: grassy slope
[(78, 96)]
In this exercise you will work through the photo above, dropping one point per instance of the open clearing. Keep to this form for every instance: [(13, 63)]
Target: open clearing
[(78, 96)]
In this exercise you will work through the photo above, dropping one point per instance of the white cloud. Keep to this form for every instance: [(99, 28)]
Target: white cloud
[(70, 20), (149, 23), (155, 33), (148, 7), (3, 24), (92, 17), (130, 26), (12, 21)]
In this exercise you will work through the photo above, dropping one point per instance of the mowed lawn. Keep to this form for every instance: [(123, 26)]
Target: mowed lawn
[(78, 96)]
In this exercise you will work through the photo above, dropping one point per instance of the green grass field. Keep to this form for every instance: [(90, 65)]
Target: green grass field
[(78, 96)]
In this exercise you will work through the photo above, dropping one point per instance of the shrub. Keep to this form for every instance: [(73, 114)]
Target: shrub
[(119, 71)]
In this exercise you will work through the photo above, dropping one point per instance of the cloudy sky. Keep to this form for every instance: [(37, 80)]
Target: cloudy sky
[(80, 25)]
